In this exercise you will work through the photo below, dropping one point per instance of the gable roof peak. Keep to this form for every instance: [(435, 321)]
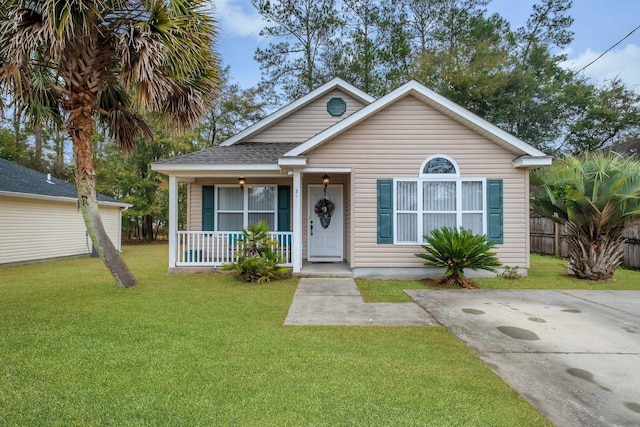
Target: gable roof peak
[(436, 101), (336, 83)]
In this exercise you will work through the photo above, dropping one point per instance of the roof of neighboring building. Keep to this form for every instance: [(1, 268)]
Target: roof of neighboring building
[(15, 178), (242, 153), (628, 148)]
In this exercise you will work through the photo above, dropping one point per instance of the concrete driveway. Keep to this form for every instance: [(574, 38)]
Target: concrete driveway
[(573, 355)]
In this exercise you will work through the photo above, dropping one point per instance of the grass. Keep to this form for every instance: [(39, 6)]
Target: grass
[(203, 349), (546, 272)]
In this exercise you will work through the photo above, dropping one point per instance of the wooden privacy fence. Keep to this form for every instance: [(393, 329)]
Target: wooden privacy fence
[(547, 239)]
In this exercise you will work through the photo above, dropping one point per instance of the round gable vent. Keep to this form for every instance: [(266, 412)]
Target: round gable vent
[(336, 107)]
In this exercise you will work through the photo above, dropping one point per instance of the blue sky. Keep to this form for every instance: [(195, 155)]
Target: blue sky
[(598, 25)]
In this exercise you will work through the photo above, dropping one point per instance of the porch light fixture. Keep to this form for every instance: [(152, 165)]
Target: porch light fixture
[(325, 181), (241, 181)]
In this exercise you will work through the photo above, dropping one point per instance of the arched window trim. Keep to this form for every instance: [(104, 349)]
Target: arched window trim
[(439, 175)]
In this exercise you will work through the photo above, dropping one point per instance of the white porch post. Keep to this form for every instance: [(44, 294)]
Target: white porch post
[(173, 220), (297, 221)]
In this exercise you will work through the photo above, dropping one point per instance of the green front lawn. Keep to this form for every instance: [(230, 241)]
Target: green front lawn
[(546, 272), (202, 349)]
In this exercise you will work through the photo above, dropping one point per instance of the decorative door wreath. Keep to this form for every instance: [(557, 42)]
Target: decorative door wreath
[(324, 209)]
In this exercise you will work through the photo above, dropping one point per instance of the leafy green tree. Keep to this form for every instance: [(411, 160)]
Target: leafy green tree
[(602, 116), (301, 30), (7, 145), (470, 62), (110, 58), (456, 250), (395, 54), (373, 52), (233, 110), (596, 197), (514, 78), (510, 78), (362, 52), (130, 178), (548, 25), (535, 105)]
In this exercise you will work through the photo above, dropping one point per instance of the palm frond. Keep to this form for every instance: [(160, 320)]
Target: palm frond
[(158, 51), (456, 250), (125, 126)]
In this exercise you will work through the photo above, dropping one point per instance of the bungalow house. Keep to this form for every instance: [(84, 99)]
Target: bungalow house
[(39, 217), (341, 177)]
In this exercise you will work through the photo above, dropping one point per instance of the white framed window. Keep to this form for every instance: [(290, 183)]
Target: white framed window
[(439, 197), (238, 207)]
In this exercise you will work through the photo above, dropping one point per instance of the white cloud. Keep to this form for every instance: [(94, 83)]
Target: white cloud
[(239, 18), (623, 63)]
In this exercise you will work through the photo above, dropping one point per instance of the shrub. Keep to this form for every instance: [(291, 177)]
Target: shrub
[(257, 261), (510, 273), (456, 249)]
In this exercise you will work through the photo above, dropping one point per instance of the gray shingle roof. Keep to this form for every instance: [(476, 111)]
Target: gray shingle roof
[(19, 179), (245, 153), (628, 148)]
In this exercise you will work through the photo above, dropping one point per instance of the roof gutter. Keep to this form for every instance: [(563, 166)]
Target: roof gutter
[(531, 162), (292, 161), (59, 199)]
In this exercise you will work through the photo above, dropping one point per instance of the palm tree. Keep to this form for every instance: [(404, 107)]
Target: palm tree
[(112, 61), (456, 249), (596, 197)]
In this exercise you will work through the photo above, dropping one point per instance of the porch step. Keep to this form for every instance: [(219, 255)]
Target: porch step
[(325, 269)]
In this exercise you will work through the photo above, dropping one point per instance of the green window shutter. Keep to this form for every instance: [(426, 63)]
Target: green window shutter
[(208, 211), (284, 208), (495, 216), (385, 211)]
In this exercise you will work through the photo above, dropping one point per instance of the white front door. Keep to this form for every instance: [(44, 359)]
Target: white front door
[(325, 233)]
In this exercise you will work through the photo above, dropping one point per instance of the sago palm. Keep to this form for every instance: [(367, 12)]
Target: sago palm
[(596, 197), (456, 250), (111, 61)]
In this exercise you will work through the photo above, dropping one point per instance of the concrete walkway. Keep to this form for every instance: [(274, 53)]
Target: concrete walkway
[(335, 302)]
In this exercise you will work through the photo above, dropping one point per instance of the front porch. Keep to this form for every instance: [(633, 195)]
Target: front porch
[(220, 206), (325, 269), (213, 249)]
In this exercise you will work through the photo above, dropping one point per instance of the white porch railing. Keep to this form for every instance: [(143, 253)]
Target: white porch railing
[(215, 248)]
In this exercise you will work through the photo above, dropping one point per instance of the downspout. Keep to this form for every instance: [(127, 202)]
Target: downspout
[(122, 209)]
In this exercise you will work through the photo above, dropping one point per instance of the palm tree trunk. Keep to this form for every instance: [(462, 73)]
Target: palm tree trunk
[(88, 204), (37, 136), (594, 260), (83, 83), (80, 126)]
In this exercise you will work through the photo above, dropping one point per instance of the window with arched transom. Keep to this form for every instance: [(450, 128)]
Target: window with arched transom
[(439, 197)]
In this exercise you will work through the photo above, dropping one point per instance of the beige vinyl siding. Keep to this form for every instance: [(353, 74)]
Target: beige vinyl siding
[(308, 121), (347, 218), (32, 229), (394, 143)]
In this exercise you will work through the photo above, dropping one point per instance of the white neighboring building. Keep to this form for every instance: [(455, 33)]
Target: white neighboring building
[(40, 220)]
